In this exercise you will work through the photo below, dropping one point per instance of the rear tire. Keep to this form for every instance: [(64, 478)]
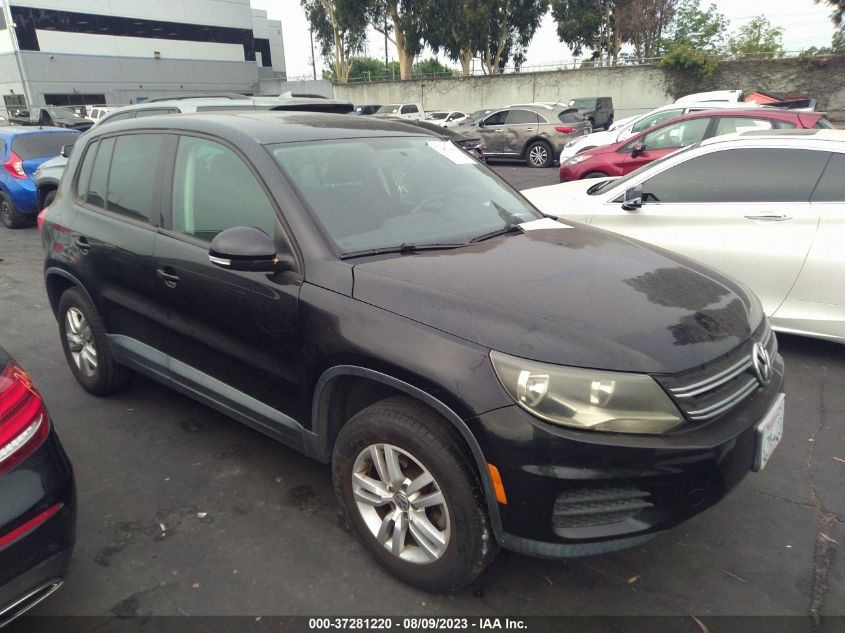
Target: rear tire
[(407, 456), (539, 154), (595, 174), (9, 213), (48, 199), (86, 347)]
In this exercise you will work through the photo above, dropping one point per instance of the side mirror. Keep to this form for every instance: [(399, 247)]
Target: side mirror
[(244, 248), (65, 153), (637, 150), (633, 198)]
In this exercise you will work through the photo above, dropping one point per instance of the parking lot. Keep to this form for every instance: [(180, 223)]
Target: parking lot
[(184, 511)]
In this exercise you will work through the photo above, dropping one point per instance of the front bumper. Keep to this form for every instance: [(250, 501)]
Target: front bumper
[(39, 558), (576, 493)]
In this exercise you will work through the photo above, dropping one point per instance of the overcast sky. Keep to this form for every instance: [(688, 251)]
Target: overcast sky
[(805, 24)]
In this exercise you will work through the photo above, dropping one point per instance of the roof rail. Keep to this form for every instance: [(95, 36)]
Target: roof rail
[(181, 97)]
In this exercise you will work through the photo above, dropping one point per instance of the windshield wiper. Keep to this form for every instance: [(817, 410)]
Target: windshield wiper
[(510, 228), (404, 247), (598, 187)]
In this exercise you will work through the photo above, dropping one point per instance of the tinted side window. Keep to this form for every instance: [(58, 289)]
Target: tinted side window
[(96, 194), (740, 175), (132, 180), (409, 109), (569, 117), (498, 118), (678, 134), (731, 124), (204, 200), (831, 187), (521, 117), (85, 169)]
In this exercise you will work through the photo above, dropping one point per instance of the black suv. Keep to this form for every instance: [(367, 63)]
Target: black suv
[(478, 375)]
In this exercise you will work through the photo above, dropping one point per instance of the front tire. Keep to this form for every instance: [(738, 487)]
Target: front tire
[(594, 174), (9, 213), (86, 347), (539, 154), (407, 486)]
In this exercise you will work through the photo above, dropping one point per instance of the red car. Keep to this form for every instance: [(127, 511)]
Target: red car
[(621, 158)]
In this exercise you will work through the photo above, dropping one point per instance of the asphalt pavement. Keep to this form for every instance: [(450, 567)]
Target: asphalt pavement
[(184, 511)]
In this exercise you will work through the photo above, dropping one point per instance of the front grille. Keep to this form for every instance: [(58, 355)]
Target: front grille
[(584, 507), (705, 395)]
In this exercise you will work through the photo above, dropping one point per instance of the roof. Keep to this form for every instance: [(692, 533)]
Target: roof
[(10, 131), (267, 127), (796, 136)]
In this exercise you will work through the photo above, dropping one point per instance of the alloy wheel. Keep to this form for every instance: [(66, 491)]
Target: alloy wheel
[(80, 341), (538, 155), (401, 503)]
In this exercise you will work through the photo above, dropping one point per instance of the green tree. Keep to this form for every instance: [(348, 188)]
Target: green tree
[(456, 28), (758, 38), (401, 21), (431, 66), (697, 29), (838, 41), (583, 24), (838, 14), (642, 23), (338, 36), (510, 27)]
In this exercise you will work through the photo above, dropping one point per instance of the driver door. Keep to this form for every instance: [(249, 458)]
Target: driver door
[(664, 140), (492, 131)]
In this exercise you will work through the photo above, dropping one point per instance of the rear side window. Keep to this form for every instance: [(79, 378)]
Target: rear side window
[(95, 195), (409, 109), (29, 146), (740, 175), (522, 117), (731, 124), (133, 179), (831, 187), (85, 169), (569, 117), (204, 200)]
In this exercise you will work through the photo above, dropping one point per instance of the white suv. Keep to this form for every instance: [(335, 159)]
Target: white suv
[(410, 111)]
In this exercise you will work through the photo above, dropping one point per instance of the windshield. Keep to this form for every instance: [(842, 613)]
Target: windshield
[(615, 182), (583, 104), (389, 109), (437, 115), (63, 113), (378, 193)]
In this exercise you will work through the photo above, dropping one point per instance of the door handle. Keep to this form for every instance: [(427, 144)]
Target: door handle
[(499, 130), (529, 129), (82, 244), (170, 279), (769, 217)]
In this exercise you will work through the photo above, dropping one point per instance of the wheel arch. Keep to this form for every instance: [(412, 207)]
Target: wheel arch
[(333, 406), (533, 139), (43, 189), (57, 280)]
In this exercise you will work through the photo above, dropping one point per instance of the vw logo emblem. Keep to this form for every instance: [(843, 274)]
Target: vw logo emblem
[(761, 363)]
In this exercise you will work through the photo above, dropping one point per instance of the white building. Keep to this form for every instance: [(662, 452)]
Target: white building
[(126, 51)]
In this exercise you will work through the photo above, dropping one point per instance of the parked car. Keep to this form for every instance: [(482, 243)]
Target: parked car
[(473, 118), (23, 150), (97, 112), (51, 116), (4, 121), (408, 335), (714, 96), (621, 158), (366, 110), (446, 118), (767, 207), (48, 175), (597, 110), (533, 134), (37, 497), (413, 111), (630, 126)]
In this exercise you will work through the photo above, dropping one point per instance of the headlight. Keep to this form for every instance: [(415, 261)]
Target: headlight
[(573, 142), (587, 398), (577, 159), (473, 144)]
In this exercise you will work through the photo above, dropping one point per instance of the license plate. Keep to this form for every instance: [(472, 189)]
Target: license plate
[(769, 432)]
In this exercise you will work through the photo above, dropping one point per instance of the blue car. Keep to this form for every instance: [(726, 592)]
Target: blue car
[(22, 150)]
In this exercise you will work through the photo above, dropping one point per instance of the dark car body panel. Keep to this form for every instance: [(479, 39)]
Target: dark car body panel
[(271, 349)]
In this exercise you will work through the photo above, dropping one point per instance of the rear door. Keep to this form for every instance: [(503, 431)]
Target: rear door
[(664, 140), (233, 335), (520, 126), (745, 212), (118, 199)]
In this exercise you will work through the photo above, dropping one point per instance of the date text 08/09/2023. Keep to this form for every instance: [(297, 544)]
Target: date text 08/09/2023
[(416, 624)]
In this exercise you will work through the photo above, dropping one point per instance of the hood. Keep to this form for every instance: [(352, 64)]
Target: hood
[(576, 296), (565, 200)]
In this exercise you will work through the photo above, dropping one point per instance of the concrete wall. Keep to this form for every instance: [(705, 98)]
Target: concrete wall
[(634, 89), (318, 87)]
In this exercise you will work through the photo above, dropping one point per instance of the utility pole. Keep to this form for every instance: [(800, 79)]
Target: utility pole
[(313, 61), (385, 41)]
